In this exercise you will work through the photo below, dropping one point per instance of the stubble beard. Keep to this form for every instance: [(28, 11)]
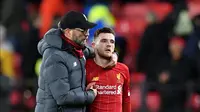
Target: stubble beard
[(101, 55), (79, 42)]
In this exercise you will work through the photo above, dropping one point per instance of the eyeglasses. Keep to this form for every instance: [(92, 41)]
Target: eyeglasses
[(84, 31)]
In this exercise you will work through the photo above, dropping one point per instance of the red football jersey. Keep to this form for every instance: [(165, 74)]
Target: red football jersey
[(113, 86)]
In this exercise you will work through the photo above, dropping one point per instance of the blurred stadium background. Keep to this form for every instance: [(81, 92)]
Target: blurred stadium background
[(143, 31)]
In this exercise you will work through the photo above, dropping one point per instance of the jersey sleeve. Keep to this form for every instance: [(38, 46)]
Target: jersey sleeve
[(126, 92)]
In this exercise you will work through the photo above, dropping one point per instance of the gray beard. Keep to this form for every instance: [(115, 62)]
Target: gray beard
[(79, 43)]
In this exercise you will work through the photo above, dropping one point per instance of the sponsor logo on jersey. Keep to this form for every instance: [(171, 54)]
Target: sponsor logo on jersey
[(95, 78), (109, 89), (119, 89)]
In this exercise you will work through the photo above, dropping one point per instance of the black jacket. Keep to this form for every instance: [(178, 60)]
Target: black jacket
[(180, 72), (5, 89)]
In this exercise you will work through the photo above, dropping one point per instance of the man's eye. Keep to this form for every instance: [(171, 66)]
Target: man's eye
[(112, 41), (103, 40)]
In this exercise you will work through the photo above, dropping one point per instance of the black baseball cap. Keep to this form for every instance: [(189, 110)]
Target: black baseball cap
[(74, 19)]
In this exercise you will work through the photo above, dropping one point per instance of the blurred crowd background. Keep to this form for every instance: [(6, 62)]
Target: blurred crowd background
[(159, 40)]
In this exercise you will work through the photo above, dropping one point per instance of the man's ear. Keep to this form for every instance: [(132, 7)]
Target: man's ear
[(67, 32)]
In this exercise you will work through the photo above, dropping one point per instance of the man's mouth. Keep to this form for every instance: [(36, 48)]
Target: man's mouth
[(108, 50)]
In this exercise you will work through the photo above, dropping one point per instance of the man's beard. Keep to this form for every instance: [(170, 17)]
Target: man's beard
[(79, 42), (101, 55)]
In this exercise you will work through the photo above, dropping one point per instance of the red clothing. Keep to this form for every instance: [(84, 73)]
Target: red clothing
[(113, 87), (49, 9)]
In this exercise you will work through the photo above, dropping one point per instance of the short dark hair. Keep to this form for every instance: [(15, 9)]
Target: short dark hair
[(103, 30)]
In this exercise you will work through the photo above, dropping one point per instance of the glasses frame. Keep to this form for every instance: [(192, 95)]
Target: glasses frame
[(85, 32)]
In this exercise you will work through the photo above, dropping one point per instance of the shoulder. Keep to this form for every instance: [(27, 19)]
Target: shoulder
[(122, 67), (89, 63), (55, 56), (56, 53)]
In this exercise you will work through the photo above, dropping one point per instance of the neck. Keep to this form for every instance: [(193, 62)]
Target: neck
[(176, 57), (71, 42), (100, 60)]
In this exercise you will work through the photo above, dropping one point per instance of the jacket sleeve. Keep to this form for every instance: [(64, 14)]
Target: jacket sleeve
[(126, 92), (88, 52), (57, 78)]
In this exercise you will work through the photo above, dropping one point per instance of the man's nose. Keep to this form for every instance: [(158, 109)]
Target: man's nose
[(86, 37), (86, 34), (108, 44)]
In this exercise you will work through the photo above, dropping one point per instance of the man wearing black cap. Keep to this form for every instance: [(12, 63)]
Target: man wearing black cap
[(62, 73)]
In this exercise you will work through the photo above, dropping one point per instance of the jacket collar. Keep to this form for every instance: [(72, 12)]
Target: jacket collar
[(54, 38), (71, 45)]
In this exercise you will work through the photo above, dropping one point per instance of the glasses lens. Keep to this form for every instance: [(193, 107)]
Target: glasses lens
[(85, 31)]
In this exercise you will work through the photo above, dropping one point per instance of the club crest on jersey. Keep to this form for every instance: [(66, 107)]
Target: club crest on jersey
[(118, 76), (95, 78)]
